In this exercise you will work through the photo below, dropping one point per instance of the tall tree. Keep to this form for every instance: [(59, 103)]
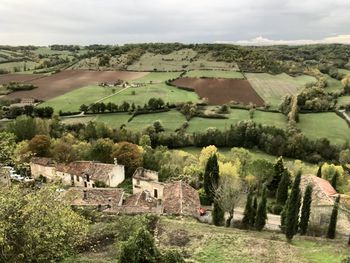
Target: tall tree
[(334, 180), (254, 210), (211, 177), (319, 171), (218, 214), (282, 190), (261, 215), (278, 172), (305, 212), (248, 210), (333, 222), (292, 213)]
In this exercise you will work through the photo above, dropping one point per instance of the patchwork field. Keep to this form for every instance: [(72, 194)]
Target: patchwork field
[(214, 74), (324, 125), (65, 81), (221, 91), (272, 88), (184, 59)]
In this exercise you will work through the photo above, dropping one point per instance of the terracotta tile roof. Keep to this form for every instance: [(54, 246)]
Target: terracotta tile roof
[(96, 196), (325, 186), (179, 198), (96, 171), (146, 175), (141, 199), (43, 161)]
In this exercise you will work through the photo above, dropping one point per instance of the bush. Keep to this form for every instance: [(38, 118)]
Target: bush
[(172, 256), (204, 199), (275, 208)]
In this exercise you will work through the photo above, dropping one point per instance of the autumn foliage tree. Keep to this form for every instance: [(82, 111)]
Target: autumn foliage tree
[(128, 154), (40, 145)]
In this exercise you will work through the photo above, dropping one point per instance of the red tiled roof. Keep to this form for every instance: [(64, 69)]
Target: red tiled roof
[(325, 186)]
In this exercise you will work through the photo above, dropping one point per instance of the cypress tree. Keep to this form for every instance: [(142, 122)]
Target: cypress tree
[(254, 210), (248, 211), (333, 222), (211, 177), (319, 171), (261, 215), (282, 190), (305, 211), (349, 240), (218, 215), (278, 171), (334, 180), (292, 213)]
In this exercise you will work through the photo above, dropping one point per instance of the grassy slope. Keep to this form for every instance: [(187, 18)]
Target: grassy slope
[(343, 100), (327, 125), (333, 84), (210, 244), (214, 74)]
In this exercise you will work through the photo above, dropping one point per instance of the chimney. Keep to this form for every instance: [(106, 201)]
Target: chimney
[(115, 161)]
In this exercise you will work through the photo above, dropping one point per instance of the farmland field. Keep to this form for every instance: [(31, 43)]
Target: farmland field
[(333, 84), (6, 78), (214, 74), (272, 88), (71, 101), (10, 66), (65, 81), (178, 61), (221, 91), (157, 77), (324, 125), (143, 94)]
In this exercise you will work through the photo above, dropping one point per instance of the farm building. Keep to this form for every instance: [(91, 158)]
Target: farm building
[(80, 173), (147, 180), (100, 198), (323, 198)]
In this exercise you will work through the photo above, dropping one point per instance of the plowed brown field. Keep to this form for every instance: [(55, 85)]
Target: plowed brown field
[(221, 91), (6, 78), (68, 80)]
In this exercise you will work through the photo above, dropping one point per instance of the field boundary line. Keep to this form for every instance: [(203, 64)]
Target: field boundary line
[(104, 98)]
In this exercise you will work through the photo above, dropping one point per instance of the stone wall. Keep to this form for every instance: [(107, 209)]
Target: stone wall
[(140, 185)]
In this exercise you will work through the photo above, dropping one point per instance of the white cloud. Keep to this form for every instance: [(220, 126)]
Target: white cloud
[(261, 41)]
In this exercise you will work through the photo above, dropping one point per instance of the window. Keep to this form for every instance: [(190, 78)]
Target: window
[(138, 181), (88, 178), (85, 195), (85, 184), (78, 178), (155, 193)]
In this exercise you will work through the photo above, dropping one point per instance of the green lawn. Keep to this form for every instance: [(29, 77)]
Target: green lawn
[(272, 88), (214, 74), (343, 100), (156, 77), (324, 125), (143, 94), (170, 120), (113, 120), (72, 100)]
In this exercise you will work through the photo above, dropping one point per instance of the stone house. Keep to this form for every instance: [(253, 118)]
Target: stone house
[(323, 198), (79, 173), (147, 180)]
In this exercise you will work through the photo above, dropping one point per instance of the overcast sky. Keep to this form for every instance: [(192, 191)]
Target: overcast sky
[(44, 22)]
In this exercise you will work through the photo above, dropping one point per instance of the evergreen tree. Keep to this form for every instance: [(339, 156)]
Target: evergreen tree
[(334, 180), (254, 210), (305, 212), (292, 214), (282, 190), (319, 171), (218, 215), (261, 215), (248, 211), (278, 171), (211, 177), (333, 222)]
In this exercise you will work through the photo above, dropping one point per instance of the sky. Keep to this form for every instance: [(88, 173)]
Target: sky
[(245, 22)]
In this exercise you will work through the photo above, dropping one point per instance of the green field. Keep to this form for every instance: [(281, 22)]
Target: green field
[(333, 84), (324, 125), (157, 77), (272, 88), (185, 59), (143, 94), (343, 100), (214, 74), (198, 124), (72, 100), (10, 66)]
